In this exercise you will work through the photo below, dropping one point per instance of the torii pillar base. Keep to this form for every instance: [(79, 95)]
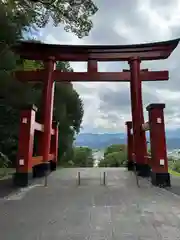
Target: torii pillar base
[(130, 166), (22, 179), (41, 170), (159, 175), (143, 170), (160, 179)]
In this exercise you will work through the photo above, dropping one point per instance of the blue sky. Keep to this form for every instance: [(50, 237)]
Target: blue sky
[(107, 105)]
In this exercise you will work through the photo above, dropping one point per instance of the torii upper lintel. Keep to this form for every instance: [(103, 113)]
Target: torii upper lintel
[(145, 51)]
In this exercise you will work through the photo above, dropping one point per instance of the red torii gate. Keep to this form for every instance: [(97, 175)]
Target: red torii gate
[(49, 54), (158, 161)]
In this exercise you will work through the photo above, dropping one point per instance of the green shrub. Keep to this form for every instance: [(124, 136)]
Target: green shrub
[(4, 161), (176, 166), (114, 159), (115, 148)]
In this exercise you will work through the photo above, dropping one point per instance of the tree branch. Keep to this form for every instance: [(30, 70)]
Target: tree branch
[(43, 1)]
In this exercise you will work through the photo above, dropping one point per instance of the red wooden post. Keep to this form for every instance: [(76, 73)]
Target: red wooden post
[(54, 145), (92, 66), (25, 148), (140, 147), (159, 175), (47, 112), (39, 136), (130, 163), (56, 124), (92, 54)]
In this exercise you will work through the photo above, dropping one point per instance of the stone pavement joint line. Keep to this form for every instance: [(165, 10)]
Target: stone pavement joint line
[(118, 211)]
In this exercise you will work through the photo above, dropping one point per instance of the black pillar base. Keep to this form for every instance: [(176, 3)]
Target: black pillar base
[(143, 170), (40, 170), (53, 166), (22, 179), (130, 166), (160, 179)]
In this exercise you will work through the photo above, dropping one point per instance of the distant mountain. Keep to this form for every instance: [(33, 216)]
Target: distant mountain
[(99, 141), (173, 143), (173, 133)]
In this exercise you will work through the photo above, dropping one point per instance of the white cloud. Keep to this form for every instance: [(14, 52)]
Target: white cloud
[(107, 105)]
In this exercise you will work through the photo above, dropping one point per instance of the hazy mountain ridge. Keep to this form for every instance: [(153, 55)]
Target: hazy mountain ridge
[(98, 141)]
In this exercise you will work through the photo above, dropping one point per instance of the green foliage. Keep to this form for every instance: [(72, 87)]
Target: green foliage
[(115, 148), (81, 157), (114, 156), (4, 161), (114, 159), (16, 18), (176, 166), (75, 15)]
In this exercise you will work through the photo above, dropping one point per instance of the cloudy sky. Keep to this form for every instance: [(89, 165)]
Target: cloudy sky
[(107, 105)]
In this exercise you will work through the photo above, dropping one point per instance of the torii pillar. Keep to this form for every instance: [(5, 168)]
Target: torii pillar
[(140, 147), (130, 162), (159, 160), (47, 113)]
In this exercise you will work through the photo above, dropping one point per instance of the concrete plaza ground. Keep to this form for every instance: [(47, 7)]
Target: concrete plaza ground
[(63, 211)]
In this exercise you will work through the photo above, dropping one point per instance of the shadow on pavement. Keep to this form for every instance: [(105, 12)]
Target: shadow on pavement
[(6, 187), (175, 185)]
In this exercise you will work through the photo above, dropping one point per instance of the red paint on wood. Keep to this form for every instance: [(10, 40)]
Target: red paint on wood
[(26, 141), (91, 76), (47, 111), (129, 141), (157, 138), (147, 51), (140, 148)]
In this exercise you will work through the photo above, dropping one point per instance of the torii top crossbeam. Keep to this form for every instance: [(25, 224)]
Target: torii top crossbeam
[(147, 51)]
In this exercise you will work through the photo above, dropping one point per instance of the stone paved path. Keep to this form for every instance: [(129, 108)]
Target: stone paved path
[(175, 182), (64, 211)]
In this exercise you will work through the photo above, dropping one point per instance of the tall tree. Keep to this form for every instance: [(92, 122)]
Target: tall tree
[(115, 148), (74, 14), (16, 18), (68, 111), (82, 157)]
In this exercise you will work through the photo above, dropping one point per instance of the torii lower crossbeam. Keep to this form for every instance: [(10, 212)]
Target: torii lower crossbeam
[(38, 76)]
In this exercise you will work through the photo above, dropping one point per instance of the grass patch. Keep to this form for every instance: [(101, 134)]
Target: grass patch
[(6, 172), (174, 173)]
